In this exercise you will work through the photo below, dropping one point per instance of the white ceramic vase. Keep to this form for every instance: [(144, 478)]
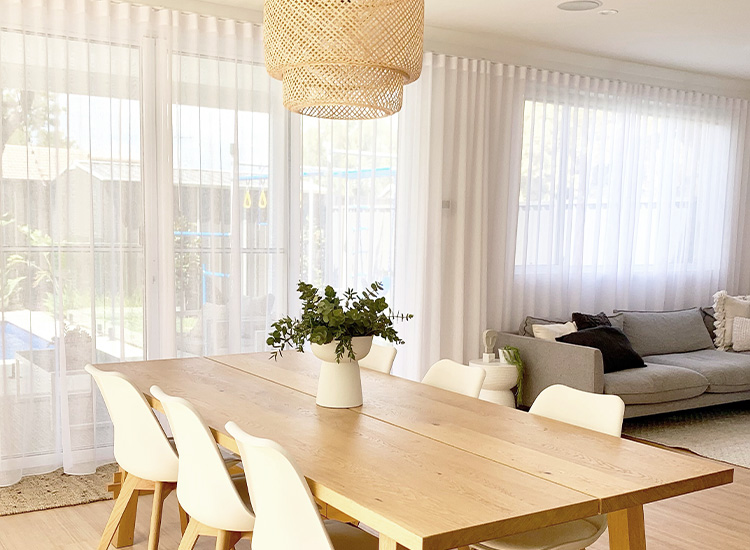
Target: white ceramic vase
[(339, 384)]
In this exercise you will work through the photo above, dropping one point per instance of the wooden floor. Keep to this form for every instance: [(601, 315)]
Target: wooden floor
[(713, 519)]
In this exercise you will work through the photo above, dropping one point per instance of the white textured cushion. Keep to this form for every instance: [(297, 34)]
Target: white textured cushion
[(550, 332), (741, 334), (726, 309)]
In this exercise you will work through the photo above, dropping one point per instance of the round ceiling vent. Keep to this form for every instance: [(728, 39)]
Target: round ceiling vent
[(580, 5)]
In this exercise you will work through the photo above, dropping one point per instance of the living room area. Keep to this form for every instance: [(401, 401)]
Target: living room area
[(511, 197)]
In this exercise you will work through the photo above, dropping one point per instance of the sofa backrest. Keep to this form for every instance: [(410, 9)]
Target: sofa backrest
[(662, 332)]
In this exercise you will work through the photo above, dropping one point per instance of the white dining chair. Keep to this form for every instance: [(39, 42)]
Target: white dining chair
[(455, 377), (217, 504), (145, 455), (593, 411), (286, 513), (380, 358)]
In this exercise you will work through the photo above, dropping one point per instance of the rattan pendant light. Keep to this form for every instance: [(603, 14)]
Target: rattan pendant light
[(343, 59)]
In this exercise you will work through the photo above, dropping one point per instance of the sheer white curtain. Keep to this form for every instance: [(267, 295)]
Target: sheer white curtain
[(626, 197), (347, 186), (143, 209), (227, 202), (71, 258), (457, 156), (522, 191)]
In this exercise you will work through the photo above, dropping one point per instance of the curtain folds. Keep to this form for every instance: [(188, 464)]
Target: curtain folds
[(530, 192), (627, 197), (455, 204), (136, 148)]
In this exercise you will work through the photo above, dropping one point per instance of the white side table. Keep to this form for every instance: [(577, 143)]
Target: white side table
[(501, 378)]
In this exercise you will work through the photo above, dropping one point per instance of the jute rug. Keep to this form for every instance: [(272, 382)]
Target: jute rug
[(721, 432), (55, 490)]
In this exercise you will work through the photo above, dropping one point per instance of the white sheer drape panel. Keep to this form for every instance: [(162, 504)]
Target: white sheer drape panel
[(348, 201), (454, 158), (736, 237), (625, 197), (229, 191), (71, 258), (142, 180)]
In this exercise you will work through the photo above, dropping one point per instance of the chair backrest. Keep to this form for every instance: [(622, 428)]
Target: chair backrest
[(594, 411), (455, 377), (380, 358), (141, 446), (204, 487), (286, 515)]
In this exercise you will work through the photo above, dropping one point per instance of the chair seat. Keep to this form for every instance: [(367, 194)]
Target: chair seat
[(573, 535), (347, 537)]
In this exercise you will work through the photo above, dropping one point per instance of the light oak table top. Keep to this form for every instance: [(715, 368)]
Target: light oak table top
[(618, 472), (426, 468)]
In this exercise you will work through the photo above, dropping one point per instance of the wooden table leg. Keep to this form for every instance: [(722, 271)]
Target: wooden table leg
[(387, 543), (626, 529)]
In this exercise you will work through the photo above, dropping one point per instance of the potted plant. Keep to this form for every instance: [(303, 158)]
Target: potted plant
[(340, 332)]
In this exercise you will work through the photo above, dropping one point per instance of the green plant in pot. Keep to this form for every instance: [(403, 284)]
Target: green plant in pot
[(340, 330)]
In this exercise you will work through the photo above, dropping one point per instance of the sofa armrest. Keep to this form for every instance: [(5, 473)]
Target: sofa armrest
[(547, 363)]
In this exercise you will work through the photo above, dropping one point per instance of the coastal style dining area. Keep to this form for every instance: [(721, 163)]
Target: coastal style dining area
[(374, 275), (421, 466)]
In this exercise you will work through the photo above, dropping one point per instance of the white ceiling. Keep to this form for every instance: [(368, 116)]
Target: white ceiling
[(706, 36)]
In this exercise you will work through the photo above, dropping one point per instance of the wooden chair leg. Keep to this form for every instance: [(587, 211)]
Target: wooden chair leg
[(222, 540), (126, 529), (161, 492), (127, 494), (191, 536), (184, 518)]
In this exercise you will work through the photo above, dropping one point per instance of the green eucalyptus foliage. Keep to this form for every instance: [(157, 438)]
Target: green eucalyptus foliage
[(327, 317), (513, 356)]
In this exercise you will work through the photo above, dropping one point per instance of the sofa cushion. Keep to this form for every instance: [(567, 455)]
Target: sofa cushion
[(660, 332), (654, 384), (726, 308), (587, 320), (526, 327), (615, 320), (552, 331), (617, 353), (709, 319), (726, 371)]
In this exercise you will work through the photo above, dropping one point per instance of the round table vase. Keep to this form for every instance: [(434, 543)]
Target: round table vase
[(339, 383)]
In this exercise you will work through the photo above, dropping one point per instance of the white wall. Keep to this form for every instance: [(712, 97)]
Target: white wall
[(518, 52)]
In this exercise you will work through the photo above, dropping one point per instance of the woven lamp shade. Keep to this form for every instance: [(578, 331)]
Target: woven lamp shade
[(343, 59)]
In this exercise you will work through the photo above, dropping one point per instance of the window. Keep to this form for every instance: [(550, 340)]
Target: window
[(348, 201), (621, 181)]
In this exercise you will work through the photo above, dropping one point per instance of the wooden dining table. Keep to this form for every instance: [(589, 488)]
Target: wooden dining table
[(426, 468)]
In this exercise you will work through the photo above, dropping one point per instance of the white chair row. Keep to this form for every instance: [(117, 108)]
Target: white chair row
[(272, 493), (261, 505), (445, 374)]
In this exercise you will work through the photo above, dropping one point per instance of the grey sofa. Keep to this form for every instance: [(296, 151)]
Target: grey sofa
[(683, 370)]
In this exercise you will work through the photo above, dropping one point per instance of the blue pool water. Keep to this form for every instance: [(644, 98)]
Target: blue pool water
[(13, 338)]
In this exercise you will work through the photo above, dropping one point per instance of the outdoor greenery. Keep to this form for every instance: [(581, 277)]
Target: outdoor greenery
[(327, 317)]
